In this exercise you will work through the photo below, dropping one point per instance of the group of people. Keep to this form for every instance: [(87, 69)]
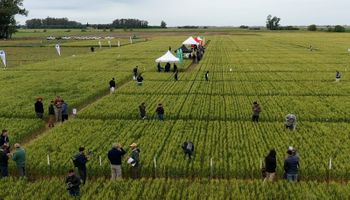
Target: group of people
[(291, 165), (137, 76), (18, 156), (167, 67), (197, 53), (159, 111), (57, 111), (115, 157)]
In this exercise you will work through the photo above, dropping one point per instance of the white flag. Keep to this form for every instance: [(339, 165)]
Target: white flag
[(99, 44), (3, 57), (58, 49), (118, 43), (109, 43), (130, 40)]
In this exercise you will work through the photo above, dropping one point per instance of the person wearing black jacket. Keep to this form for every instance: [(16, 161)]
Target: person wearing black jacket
[(270, 165), (112, 85), (142, 109), (73, 184), (4, 138), (115, 158), (160, 112), (39, 108), (80, 160), (4, 163)]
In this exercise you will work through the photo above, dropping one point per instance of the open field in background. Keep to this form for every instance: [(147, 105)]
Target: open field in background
[(277, 69)]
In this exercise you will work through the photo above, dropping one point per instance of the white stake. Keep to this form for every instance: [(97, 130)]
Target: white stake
[(155, 162), (330, 164), (100, 161), (48, 159), (118, 43), (109, 43)]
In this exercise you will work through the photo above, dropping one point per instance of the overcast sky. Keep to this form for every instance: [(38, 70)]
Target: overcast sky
[(191, 12)]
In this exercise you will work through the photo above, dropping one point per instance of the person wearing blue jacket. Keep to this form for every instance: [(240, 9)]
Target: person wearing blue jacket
[(64, 111), (291, 166)]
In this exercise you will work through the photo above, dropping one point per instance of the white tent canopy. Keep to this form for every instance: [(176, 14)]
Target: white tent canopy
[(168, 57), (199, 38), (190, 41)]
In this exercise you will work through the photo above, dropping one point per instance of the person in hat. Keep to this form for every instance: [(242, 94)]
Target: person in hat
[(291, 165), (270, 165), (39, 108), (256, 111), (112, 85), (19, 156), (115, 158), (134, 161), (142, 109), (58, 108), (73, 183), (80, 159)]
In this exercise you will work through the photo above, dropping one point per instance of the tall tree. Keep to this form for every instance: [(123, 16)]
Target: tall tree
[(273, 23), (8, 10), (163, 24)]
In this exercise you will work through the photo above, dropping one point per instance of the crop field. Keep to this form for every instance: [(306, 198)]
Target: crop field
[(276, 69), (176, 189)]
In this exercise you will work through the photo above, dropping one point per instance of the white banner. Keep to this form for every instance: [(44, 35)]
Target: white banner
[(109, 43), (100, 44), (3, 57), (58, 49)]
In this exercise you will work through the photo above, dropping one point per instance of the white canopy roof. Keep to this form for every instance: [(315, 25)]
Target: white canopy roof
[(190, 41), (168, 57)]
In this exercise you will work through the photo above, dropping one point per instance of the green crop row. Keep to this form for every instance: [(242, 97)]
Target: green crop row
[(175, 189), (236, 148)]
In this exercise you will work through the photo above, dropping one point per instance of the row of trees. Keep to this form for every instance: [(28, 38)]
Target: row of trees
[(8, 10), (336, 28), (51, 22)]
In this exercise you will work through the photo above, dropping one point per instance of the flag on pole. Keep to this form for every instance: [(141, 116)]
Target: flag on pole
[(58, 49), (109, 43), (179, 55), (3, 57), (100, 44)]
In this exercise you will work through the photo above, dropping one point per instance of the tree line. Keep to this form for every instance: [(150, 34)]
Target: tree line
[(51, 22)]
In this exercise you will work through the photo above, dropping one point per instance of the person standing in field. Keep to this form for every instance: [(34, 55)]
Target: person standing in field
[(4, 138), (73, 184), (139, 80), (291, 122), (206, 76), (112, 85), (188, 148), (175, 67), (19, 156), (115, 158), (176, 75), (337, 76), (160, 112), (134, 161), (136, 71), (4, 157), (142, 109), (80, 160), (64, 111), (39, 108), (291, 166), (270, 166), (51, 115), (58, 108), (256, 111)]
